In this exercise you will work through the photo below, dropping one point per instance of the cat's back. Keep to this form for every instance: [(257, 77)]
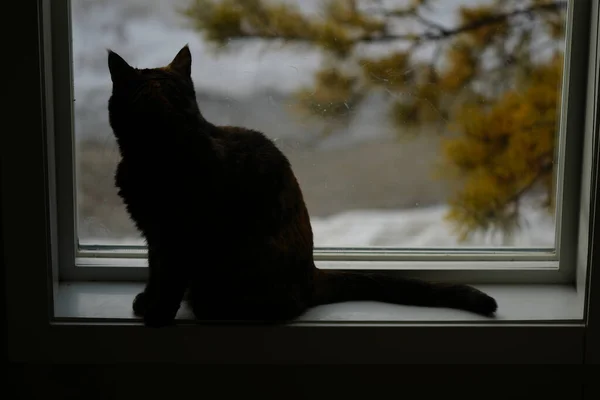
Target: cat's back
[(259, 182), (250, 151)]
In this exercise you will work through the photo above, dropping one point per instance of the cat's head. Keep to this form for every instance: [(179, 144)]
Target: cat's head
[(144, 97)]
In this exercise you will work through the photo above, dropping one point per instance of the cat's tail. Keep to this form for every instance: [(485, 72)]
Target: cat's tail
[(333, 286)]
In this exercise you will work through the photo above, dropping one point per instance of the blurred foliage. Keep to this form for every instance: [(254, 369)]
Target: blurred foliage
[(492, 81)]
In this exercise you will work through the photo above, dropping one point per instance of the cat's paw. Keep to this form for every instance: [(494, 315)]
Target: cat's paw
[(154, 315), (139, 305), (158, 318)]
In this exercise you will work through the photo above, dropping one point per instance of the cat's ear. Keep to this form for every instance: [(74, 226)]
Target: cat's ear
[(182, 63), (118, 67)]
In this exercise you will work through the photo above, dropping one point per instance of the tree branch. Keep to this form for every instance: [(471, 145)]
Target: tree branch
[(429, 23), (439, 32), (499, 18), (546, 167)]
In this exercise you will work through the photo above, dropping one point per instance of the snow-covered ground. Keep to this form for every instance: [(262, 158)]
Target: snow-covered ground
[(413, 228), (422, 228), (149, 33)]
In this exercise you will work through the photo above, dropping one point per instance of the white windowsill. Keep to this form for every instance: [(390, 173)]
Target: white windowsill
[(535, 324), (536, 303)]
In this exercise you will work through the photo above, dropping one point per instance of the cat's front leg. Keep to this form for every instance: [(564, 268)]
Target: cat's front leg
[(164, 291), (139, 302)]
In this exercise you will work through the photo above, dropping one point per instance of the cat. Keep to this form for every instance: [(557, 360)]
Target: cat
[(223, 215)]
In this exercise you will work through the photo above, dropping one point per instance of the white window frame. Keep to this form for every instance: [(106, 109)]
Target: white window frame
[(31, 257)]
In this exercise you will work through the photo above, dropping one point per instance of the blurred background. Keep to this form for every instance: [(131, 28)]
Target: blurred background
[(409, 123)]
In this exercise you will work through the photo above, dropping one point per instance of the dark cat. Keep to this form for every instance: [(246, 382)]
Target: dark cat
[(223, 214)]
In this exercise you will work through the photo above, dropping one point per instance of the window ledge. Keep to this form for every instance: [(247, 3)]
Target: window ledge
[(106, 301), (94, 324)]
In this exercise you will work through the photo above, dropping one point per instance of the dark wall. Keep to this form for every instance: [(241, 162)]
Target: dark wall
[(331, 383), (4, 355)]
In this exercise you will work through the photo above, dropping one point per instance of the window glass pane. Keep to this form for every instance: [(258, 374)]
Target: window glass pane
[(409, 124)]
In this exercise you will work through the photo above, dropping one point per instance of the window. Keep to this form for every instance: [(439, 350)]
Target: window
[(459, 150), (53, 316), (365, 186)]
